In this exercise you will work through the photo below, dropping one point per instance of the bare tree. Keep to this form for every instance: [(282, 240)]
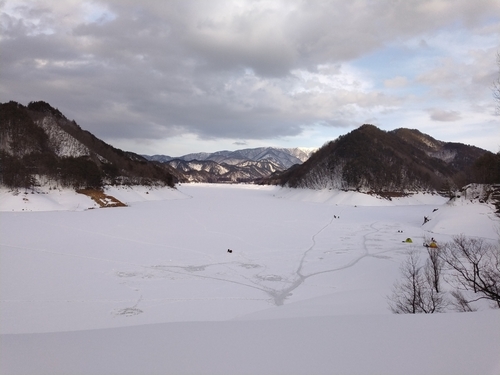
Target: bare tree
[(416, 292), (474, 265), (404, 299), (433, 268), (460, 302)]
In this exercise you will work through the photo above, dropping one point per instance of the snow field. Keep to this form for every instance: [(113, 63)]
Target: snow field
[(150, 288)]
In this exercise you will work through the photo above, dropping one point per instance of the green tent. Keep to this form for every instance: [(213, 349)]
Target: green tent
[(408, 240)]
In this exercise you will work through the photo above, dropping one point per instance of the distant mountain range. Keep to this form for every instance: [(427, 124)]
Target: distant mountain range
[(235, 166), (39, 145)]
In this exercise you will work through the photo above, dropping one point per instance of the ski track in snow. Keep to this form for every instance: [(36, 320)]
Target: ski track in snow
[(151, 289), (245, 271), (279, 296), (276, 295)]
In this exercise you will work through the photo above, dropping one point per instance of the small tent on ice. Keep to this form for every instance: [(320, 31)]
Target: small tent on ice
[(432, 245), (408, 240)]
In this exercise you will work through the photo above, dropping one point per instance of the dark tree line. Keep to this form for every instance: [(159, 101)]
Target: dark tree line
[(69, 172), (486, 169)]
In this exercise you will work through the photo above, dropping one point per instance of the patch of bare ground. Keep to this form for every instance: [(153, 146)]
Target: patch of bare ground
[(102, 199), (388, 194)]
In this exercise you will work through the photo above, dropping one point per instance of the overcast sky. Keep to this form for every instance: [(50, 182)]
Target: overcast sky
[(175, 77)]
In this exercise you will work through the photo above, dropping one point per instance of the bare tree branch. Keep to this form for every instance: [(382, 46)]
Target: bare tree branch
[(474, 266), (417, 291)]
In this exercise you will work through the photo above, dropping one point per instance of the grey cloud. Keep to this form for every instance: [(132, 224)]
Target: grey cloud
[(217, 69), (444, 115), (451, 79)]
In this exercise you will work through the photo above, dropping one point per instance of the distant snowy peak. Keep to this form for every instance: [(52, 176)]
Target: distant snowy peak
[(286, 157), (283, 157), (197, 156), (158, 158), (235, 166), (211, 171), (302, 153)]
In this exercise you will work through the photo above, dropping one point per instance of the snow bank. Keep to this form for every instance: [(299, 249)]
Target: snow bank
[(352, 198), (131, 194), (470, 218), (48, 199), (44, 200)]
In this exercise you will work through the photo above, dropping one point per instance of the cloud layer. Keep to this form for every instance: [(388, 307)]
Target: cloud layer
[(166, 77)]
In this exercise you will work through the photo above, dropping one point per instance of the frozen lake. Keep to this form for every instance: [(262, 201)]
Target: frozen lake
[(295, 255)]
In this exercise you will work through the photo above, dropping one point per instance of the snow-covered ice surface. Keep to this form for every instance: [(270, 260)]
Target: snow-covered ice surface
[(44, 200), (151, 289)]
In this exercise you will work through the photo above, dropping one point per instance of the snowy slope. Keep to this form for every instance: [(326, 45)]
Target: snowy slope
[(46, 198), (63, 144), (377, 344)]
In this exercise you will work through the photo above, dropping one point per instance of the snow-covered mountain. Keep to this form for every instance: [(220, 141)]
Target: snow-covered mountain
[(283, 157), (235, 166), (211, 171)]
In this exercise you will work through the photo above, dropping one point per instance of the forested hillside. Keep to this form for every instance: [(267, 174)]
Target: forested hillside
[(373, 160), (39, 145)]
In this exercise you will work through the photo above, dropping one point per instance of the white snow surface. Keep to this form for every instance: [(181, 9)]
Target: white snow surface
[(44, 200), (151, 289)]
